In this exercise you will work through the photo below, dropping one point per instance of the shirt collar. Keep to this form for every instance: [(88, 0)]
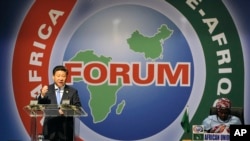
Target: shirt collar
[(56, 87)]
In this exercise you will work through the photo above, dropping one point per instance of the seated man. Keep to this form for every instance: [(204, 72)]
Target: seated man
[(220, 122)]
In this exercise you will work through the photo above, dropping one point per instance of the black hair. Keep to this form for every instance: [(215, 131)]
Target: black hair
[(60, 68)]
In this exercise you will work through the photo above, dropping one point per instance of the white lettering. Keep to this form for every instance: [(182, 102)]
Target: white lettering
[(225, 56), (211, 23), (192, 3), (34, 58), (220, 89), (33, 76), (220, 37), (54, 15)]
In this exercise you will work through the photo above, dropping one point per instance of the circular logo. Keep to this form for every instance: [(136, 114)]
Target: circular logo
[(198, 129), (138, 55), (135, 64)]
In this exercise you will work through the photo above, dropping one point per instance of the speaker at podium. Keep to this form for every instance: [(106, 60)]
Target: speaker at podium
[(35, 110)]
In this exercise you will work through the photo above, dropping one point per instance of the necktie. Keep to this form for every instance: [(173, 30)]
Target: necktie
[(58, 96)]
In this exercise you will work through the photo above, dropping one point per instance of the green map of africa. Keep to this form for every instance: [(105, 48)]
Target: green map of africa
[(104, 97)]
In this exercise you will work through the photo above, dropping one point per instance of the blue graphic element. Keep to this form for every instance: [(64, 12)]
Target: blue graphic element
[(106, 33)]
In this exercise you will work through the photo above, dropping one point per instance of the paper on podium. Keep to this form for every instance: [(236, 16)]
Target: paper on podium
[(34, 110)]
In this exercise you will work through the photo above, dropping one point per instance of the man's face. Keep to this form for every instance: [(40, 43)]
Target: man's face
[(60, 78), (223, 114)]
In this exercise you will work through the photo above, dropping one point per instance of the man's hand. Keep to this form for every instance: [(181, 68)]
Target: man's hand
[(61, 112), (44, 90)]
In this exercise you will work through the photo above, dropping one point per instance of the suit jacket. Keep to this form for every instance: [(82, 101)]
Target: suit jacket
[(60, 127)]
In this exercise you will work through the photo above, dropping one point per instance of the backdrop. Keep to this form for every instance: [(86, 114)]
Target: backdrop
[(137, 64)]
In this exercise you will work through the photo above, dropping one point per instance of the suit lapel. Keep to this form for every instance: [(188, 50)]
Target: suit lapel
[(65, 93), (53, 95)]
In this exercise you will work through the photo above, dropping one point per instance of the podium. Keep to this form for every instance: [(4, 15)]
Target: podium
[(51, 110)]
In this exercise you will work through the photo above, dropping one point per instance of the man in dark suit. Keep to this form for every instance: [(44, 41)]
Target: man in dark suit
[(59, 128)]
